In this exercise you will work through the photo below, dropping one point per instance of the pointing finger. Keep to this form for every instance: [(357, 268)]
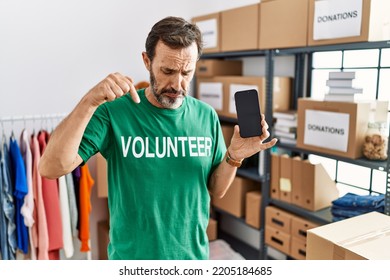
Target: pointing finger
[(133, 92)]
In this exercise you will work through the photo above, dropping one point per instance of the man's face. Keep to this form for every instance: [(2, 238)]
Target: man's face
[(171, 72)]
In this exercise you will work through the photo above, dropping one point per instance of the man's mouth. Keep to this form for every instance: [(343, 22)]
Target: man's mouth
[(172, 94)]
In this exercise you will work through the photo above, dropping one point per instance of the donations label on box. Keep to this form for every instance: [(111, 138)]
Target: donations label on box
[(212, 93), (337, 19), (209, 29), (326, 129)]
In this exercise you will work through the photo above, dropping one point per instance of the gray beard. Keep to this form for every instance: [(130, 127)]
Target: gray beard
[(166, 101)]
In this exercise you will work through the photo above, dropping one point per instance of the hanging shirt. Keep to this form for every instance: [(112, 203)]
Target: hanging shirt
[(28, 205), (86, 184), (39, 230), (72, 203), (8, 202), (52, 206), (65, 218), (3, 219), (76, 173), (20, 191)]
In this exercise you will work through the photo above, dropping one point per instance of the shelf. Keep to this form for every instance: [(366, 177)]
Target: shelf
[(300, 50), (379, 165), (220, 211), (234, 54), (323, 216), (228, 120), (334, 47), (250, 173), (302, 76)]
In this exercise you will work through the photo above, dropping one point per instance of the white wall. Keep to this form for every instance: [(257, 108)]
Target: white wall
[(202, 7), (52, 52)]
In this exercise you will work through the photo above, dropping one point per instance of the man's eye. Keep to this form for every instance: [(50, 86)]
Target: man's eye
[(167, 72)]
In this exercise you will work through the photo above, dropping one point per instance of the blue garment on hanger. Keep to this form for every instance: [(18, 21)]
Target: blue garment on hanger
[(8, 202), (20, 192), (3, 221)]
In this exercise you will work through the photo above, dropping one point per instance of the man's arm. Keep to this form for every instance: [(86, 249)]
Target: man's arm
[(239, 149), (61, 154)]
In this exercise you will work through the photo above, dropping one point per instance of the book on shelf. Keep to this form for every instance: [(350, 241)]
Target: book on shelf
[(290, 135), (341, 75), (284, 128), (286, 122), (261, 166), (344, 90), (340, 83), (340, 97), (287, 141), (289, 115)]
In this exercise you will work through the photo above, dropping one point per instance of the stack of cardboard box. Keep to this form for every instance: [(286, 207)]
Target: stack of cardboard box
[(275, 24), (287, 232)]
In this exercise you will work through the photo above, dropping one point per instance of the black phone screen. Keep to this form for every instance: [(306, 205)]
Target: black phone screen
[(248, 113)]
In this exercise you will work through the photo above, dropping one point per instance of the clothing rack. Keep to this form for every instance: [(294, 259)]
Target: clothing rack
[(32, 117)]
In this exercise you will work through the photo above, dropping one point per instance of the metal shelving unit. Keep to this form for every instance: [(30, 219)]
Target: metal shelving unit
[(302, 80)]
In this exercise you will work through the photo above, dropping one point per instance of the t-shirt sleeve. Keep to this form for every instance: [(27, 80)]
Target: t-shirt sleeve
[(95, 137)]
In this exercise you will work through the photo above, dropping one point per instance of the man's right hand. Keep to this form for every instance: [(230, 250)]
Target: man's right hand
[(112, 87)]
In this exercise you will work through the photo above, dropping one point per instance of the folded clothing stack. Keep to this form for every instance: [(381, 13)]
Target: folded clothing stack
[(351, 205)]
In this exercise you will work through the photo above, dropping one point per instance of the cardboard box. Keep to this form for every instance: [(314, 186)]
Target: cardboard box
[(212, 229), (210, 26), (278, 28), (240, 28), (275, 176), (374, 25), (252, 213), (362, 237), (217, 67), (277, 239), (281, 92), (335, 128), (317, 190), (300, 226), (298, 249), (211, 91), (101, 173), (234, 200), (103, 239), (285, 180), (296, 180), (278, 219)]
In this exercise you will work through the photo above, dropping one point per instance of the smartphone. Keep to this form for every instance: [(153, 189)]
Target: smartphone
[(248, 113)]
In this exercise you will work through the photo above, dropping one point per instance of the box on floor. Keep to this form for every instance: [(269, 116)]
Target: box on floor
[(362, 237)]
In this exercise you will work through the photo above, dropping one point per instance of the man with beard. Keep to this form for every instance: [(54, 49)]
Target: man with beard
[(165, 150)]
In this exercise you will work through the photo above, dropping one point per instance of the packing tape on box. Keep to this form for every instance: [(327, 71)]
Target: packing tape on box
[(341, 247)]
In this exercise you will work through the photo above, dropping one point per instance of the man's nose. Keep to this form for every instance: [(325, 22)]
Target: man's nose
[(176, 82)]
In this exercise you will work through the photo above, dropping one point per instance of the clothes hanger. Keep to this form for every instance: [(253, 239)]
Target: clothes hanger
[(3, 138)]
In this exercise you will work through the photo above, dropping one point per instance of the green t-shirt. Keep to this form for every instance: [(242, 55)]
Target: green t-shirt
[(159, 162)]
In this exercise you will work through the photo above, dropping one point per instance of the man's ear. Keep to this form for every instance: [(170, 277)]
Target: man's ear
[(146, 60)]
